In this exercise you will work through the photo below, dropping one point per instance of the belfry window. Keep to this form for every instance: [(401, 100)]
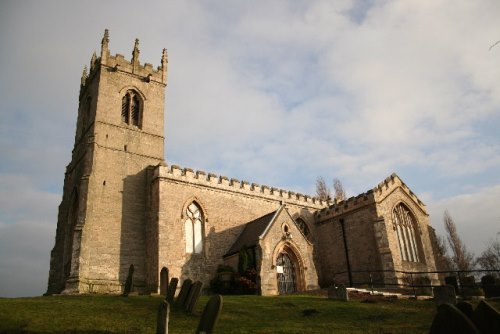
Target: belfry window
[(194, 229), (405, 224), (131, 109)]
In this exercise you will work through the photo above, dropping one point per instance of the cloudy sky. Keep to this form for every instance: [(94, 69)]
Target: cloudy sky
[(273, 92)]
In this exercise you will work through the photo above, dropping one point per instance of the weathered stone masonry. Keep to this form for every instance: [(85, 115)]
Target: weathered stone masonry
[(123, 205)]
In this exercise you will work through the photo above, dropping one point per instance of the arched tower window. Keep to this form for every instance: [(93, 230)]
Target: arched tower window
[(194, 229), (301, 224), (405, 224), (131, 108)]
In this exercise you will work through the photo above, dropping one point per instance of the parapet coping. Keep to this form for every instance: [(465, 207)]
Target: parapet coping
[(377, 194), (221, 182)]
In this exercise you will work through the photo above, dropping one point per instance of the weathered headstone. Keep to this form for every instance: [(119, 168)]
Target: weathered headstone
[(210, 315), (486, 318), (129, 282), (445, 294), (172, 287), (338, 292), (466, 308), (193, 296), (162, 320), (452, 280), (449, 320), (164, 281), (181, 298)]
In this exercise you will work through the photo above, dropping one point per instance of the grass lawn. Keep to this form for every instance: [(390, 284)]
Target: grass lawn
[(240, 314)]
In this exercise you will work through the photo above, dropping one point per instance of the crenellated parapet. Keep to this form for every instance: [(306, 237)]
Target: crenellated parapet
[(390, 184), (223, 183), (118, 63), (375, 195)]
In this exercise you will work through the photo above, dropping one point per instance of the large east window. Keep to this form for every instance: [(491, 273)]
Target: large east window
[(405, 223), (194, 229)]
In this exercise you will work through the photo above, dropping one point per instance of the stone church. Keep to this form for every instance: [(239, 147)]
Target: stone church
[(122, 204)]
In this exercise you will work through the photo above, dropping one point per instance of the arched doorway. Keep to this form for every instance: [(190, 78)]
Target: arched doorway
[(286, 274)]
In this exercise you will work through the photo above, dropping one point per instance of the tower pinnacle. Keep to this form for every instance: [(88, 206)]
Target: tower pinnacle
[(104, 46)]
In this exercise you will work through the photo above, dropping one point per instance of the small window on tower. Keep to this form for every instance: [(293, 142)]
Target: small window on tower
[(132, 109)]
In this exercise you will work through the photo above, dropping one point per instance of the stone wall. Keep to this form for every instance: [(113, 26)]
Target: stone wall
[(227, 205)]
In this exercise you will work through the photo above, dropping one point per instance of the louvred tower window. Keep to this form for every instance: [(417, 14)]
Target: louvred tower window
[(132, 109)]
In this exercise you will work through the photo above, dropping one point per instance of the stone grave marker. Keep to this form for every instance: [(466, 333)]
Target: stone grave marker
[(338, 292), (129, 282), (210, 315), (193, 296), (445, 294), (164, 281), (466, 308), (172, 287), (486, 318), (181, 298), (450, 320), (162, 320)]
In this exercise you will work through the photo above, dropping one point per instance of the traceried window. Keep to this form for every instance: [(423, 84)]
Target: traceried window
[(301, 224), (131, 109), (194, 229), (405, 224)]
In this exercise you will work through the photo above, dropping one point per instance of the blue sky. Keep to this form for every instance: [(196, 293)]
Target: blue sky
[(273, 92)]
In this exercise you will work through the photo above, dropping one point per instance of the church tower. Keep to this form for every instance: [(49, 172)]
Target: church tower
[(103, 216)]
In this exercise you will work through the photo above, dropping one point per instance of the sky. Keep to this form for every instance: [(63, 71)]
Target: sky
[(272, 92)]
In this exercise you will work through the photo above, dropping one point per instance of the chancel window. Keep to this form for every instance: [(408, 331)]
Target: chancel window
[(405, 224), (131, 108), (301, 224), (194, 229)]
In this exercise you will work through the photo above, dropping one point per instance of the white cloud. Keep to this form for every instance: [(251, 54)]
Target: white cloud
[(272, 92), (476, 214)]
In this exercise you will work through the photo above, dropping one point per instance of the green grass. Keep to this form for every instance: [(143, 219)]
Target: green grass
[(240, 314)]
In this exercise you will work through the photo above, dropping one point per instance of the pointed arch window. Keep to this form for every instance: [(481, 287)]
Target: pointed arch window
[(404, 224), (132, 109), (194, 229)]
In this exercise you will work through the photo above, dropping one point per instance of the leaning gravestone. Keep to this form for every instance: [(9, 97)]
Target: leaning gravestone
[(445, 294), (129, 281), (466, 308), (162, 320), (171, 289), (193, 296), (338, 292), (181, 298), (449, 320), (486, 318), (210, 315)]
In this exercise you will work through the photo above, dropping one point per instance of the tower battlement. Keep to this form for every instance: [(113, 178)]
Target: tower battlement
[(118, 63)]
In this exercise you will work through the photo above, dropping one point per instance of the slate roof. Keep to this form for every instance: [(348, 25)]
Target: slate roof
[(250, 234)]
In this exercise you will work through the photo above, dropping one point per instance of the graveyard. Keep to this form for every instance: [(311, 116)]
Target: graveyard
[(240, 314)]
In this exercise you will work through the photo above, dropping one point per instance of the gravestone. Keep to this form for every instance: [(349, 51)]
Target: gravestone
[(129, 281), (486, 318), (449, 320), (445, 294), (181, 298), (451, 280), (164, 281), (162, 320), (338, 292), (210, 315), (193, 296), (466, 308), (172, 287)]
